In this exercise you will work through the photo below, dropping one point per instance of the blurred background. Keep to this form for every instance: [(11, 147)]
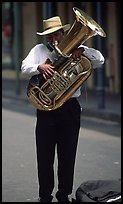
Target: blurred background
[(21, 21), (99, 150)]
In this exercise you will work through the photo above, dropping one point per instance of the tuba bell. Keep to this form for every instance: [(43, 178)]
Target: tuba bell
[(69, 74)]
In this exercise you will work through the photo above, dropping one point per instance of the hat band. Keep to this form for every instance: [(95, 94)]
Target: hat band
[(53, 27)]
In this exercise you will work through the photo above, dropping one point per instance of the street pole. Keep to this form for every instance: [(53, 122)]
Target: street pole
[(17, 43), (44, 15), (100, 71)]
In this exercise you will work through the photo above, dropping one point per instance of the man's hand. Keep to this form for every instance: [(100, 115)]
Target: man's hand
[(76, 54), (46, 70)]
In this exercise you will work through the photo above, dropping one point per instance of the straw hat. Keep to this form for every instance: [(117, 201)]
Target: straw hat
[(53, 24)]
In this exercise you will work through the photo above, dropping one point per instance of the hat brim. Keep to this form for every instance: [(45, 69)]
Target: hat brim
[(51, 30)]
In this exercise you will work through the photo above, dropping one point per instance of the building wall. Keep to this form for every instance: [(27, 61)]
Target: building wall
[(29, 22), (112, 60)]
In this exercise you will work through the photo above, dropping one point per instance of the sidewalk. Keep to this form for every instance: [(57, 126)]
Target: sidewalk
[(89, 101)]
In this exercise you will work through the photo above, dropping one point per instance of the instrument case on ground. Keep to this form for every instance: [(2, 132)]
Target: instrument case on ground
[(99, 191)]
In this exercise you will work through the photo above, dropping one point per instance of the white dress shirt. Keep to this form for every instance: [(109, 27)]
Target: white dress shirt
[(40, 53)]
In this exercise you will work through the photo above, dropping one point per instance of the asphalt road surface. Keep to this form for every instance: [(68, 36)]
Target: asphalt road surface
[(98, 153)]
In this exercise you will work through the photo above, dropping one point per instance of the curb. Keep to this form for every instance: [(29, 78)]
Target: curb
[(101, 114)]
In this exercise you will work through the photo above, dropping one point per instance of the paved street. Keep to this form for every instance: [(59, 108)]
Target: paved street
[(98, 154)]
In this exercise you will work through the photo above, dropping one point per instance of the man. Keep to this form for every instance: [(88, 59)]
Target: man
[(56, 128)]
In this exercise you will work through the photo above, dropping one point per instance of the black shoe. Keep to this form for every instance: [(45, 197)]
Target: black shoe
[(64, 201), (62, 198), (74, 200), (43, 200)]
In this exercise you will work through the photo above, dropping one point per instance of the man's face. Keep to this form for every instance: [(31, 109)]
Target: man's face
[(55, 36)]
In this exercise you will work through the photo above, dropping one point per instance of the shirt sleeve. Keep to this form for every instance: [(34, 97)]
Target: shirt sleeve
[(94, 55), (30, 63)]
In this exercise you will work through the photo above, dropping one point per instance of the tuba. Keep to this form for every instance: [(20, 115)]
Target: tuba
[(69, 74)]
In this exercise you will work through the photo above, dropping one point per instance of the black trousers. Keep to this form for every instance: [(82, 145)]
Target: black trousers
[(57, 128)]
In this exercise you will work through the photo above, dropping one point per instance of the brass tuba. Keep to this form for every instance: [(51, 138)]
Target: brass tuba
[(69, 74)]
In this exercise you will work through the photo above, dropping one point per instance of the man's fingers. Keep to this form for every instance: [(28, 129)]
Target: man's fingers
[(48, 74), (52, 67), (44, 76)]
